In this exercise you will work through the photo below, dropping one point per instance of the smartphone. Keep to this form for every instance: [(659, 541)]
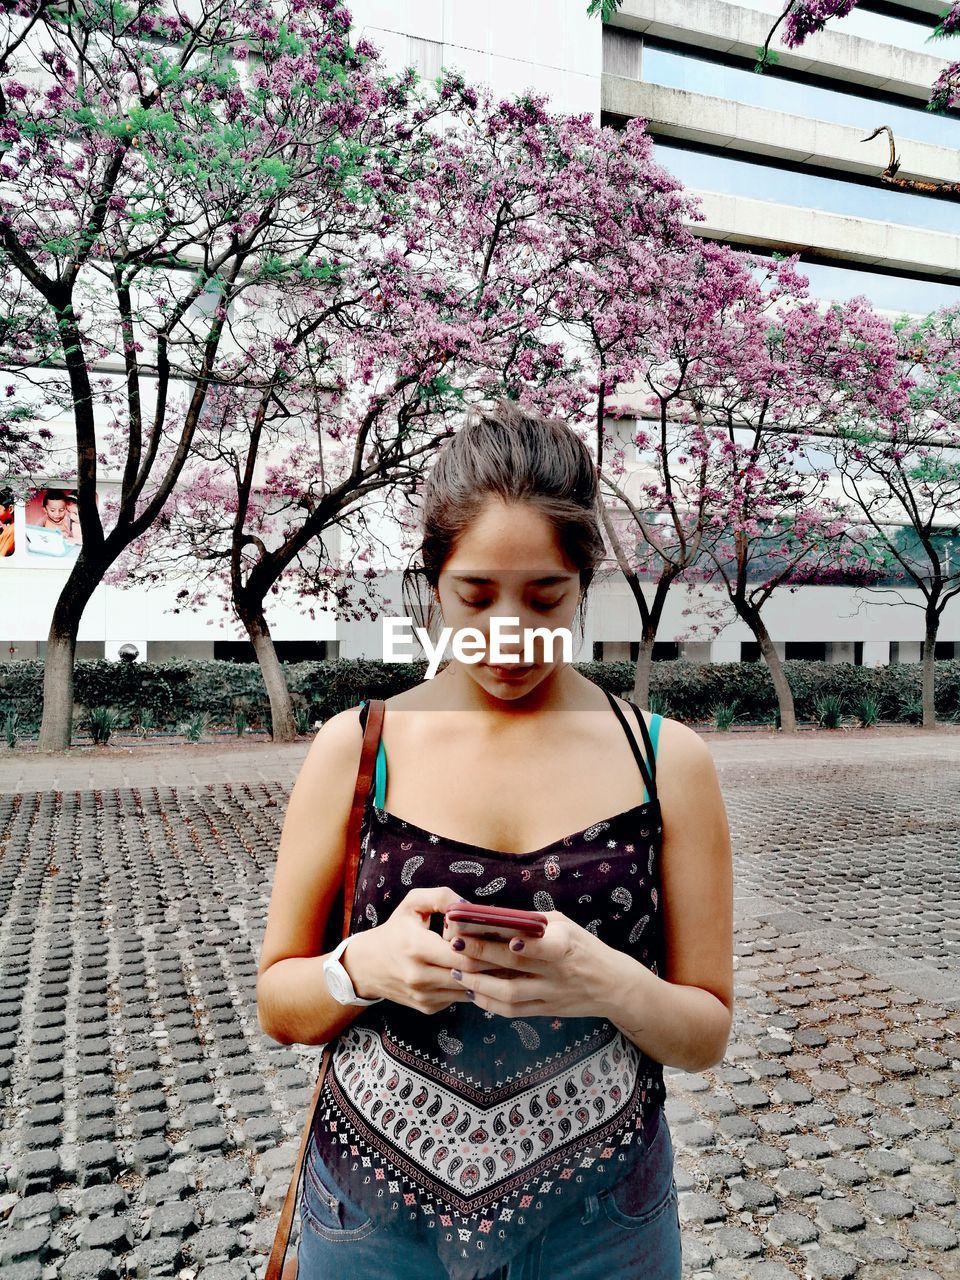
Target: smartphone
[(499, 924)]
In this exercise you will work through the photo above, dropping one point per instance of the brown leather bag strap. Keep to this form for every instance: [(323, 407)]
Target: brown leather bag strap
[(368, 760), (368, 753)]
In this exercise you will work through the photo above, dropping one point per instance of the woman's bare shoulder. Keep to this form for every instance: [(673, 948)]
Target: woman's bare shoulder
[(676, 741)]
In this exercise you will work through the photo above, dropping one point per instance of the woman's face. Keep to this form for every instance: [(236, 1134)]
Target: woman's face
[(509, 564)]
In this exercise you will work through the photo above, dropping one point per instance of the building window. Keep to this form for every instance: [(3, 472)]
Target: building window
[(598, 650), (749, 651), (944, 649), (858, 653), (781, 184), (287, 650), (894, 652), (776, 91), (808, 650), (665, 651)]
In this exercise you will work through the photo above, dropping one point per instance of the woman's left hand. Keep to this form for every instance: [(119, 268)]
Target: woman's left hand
[(562, 974)]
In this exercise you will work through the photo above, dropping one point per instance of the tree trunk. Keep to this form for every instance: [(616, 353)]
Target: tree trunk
[(751, 616), (641, 679), (928, 674), (56, 721), (281, 706), (788, 717)]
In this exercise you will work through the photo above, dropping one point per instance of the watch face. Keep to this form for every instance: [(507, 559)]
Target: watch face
[(338, 983)]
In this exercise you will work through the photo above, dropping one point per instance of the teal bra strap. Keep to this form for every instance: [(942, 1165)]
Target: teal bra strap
[(655, 719), (379, 774)]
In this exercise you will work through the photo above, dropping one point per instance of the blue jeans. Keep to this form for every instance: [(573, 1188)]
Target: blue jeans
[(631, 1232)]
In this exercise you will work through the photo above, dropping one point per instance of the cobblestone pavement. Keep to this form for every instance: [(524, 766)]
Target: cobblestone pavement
[(148, 1126)]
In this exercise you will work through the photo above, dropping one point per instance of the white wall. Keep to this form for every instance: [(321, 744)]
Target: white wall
[(548, 45)]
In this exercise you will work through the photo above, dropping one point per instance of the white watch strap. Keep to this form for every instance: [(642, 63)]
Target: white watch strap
[(334, 958)]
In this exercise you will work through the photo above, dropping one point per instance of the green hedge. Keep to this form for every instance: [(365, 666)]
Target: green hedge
[(689, 691)]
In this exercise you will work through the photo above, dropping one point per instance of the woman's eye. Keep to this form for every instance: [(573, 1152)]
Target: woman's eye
[(542, 606)]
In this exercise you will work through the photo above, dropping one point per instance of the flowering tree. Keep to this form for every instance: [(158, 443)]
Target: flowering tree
[(172, 181), (724, 400), (782, 526), (900, 467), (657, 532), (518, 222)]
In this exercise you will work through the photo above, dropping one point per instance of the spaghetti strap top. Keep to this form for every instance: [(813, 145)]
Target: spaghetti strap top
[(472, 1132), (650, 741)]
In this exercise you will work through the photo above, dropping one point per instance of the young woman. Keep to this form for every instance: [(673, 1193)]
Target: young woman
[(495, 1108)]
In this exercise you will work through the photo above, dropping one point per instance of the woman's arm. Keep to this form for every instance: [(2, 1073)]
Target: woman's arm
[(400, 960), (293, 1004), (683, 1017)]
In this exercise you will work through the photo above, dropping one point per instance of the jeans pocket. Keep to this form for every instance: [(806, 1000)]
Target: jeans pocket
[(649, 1190), (326, 1209), (615, 1212)]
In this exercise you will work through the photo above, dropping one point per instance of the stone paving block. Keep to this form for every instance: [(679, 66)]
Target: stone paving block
[(214, 1243), (701, 1208), (846, 1173), (885, 1162), (35, 1210), (827, 1263), (172, 1218), (735, 1242), (31, 1270), (161, 1257), (790, 1228), (150, 1155), (721, 1164), (113, 1234), (233, 1270), (41, 1137), (840, 1215), (751, 1194), (882, 1249), (933, 1234), (89, 1264), (230, 1207), (103, 1198), (37, 1172), (24, 1246), (928, 1191)]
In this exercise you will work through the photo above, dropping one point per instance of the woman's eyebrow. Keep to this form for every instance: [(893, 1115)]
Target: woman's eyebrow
[(475, 580)]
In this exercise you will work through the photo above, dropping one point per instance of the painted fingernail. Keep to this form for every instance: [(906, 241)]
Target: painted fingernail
[(471, 995), (456, 975), (458, 944), (516, 944)]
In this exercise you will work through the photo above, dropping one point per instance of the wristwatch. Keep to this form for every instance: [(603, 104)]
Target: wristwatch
[(338, 980)]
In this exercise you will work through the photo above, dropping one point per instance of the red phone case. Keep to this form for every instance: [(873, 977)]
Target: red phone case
[(506, 921)]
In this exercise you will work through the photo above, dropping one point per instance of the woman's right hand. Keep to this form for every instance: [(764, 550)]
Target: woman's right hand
[(403, 959)]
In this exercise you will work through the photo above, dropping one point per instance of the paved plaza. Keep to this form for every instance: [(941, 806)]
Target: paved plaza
[(148, 1127)]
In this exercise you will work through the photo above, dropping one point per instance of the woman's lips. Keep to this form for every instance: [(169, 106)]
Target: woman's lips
[(512, 672)]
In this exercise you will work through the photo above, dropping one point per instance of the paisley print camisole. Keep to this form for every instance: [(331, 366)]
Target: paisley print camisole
[(477, 1129)]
